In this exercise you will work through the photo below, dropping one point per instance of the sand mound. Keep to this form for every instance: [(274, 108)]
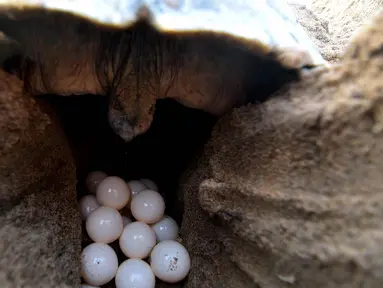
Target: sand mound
[(288, 193), (331, 23)]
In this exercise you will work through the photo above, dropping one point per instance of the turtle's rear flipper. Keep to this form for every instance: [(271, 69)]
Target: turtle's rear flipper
[(293, 57), (60, 47)]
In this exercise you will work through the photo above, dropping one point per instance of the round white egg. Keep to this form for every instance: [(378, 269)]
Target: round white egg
[(104, 225), (148, 206), (136, 186), (126, 220), (170, 261), (134, 273), (113, 192), (137, 240), (166, 229), (88, 204), (150, 184), (99, 264), (93, 179)]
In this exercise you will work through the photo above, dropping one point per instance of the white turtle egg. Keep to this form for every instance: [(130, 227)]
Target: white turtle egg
[(135, 273), (148, 206), (126, 220), (93, 179), (137, 240), (113, 192), (150, 184), (99, 264), (104, 225), (170, 261), (166, 229), (87, 286), (88, 204), (136, 186)]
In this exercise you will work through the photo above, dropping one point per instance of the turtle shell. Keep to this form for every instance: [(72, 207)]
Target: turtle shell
[(270, 22)]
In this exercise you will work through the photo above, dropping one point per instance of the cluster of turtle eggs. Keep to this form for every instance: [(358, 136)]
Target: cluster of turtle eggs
[(149, 242)]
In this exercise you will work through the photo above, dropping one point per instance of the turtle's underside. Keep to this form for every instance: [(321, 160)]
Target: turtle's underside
[(64, 54)]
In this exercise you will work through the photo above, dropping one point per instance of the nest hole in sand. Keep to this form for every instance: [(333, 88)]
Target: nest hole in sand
[(175, 138)]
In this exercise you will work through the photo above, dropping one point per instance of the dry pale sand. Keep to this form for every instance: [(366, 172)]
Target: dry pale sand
[(331, 23)]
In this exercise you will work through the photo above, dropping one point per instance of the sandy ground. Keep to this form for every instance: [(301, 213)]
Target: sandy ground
[(331, 23)]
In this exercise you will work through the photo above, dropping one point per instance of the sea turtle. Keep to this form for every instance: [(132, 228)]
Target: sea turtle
[(206, 54)]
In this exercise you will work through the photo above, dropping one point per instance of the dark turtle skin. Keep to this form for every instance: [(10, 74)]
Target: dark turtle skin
[(61, 53)]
